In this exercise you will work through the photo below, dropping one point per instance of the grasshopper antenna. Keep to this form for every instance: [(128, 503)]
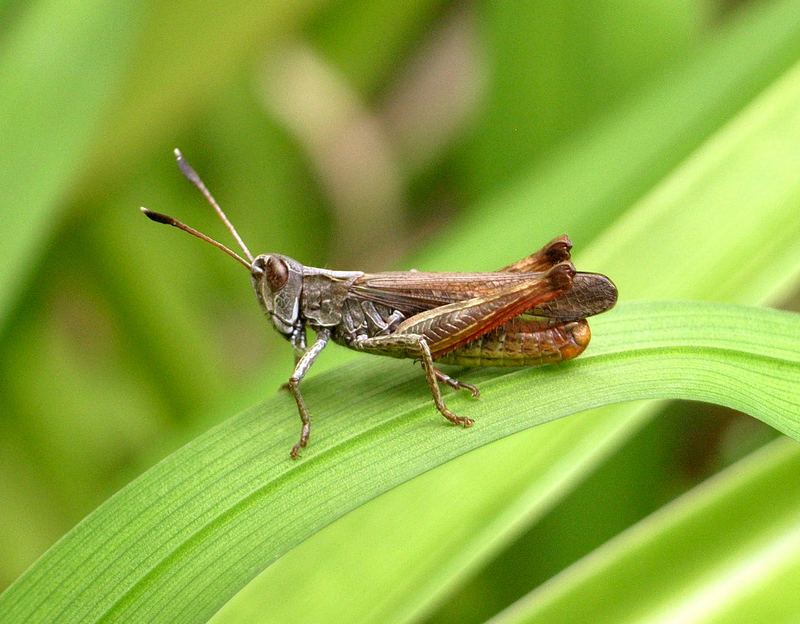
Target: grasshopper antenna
[(162, 218), (192, 176)]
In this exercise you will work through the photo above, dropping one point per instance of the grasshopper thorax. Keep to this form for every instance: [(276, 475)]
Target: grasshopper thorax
[(278, 282)]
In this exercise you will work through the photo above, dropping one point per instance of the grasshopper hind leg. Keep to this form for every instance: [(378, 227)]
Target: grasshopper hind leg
[(432, 374), (416, 346)]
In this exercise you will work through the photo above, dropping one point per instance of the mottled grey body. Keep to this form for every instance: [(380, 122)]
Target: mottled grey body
[(328, 302)]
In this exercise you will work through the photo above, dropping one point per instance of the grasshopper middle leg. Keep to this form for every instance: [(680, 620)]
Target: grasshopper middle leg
[(416, 346)]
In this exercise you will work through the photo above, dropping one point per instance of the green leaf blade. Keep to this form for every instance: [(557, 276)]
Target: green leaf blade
[(179, 541)]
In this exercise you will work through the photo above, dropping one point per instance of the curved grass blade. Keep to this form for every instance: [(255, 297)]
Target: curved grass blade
[(179, 541)]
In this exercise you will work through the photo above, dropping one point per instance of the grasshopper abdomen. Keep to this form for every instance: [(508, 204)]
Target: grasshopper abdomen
[(522, 342)]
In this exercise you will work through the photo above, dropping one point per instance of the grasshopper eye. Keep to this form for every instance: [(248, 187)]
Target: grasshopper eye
[(277, 273)]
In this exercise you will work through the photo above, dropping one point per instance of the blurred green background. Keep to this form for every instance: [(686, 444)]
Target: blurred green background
[(346, 134)]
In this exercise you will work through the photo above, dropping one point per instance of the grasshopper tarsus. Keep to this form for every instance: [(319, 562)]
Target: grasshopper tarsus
[(462, 421), (528, 313), (473, 390)]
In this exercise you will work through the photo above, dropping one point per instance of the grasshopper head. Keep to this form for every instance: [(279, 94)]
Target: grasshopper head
[(278, 282)]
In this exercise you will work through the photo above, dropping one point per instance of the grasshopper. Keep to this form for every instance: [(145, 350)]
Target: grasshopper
[(529, 313)]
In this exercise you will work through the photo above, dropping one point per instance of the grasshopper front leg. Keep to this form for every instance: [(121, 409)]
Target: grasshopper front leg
[(298, 341), (300, 370)]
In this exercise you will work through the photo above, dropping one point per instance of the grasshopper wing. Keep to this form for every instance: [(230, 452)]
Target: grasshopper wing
[(449, 326), (415, 292), (591, 293)]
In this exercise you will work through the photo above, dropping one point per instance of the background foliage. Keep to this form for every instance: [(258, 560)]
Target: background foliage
[(663, 137)]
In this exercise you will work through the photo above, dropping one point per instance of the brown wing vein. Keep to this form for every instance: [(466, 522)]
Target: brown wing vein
[(414, 292)]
